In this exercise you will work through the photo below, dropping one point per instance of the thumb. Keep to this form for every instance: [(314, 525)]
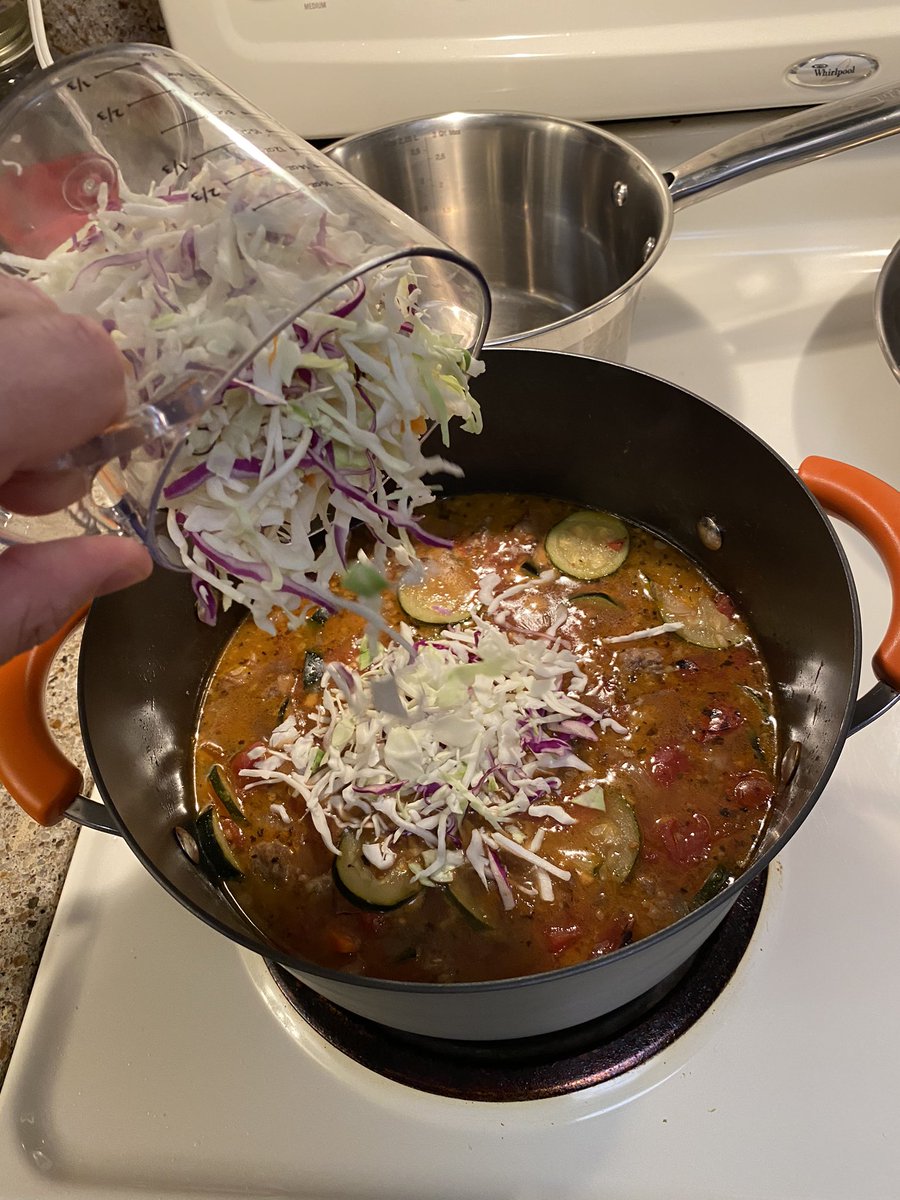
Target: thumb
[(44, 583)]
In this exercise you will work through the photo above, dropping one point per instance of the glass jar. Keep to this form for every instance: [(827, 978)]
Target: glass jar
[(17, 54)]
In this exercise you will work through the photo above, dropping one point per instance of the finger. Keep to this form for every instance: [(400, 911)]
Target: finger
[(63, 382), (20, 296), (43, 584), (34, 492)]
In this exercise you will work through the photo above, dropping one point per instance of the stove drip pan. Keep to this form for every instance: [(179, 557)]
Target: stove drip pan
[(553, 1064)]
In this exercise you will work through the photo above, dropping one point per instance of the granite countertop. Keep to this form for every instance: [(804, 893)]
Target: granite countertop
[(33, 863), (74, 25), (33, 860)]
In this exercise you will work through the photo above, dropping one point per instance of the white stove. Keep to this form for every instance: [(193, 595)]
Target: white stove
[(158, 1058)]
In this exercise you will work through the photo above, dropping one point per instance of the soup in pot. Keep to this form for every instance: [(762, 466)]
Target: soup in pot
[(572, 745)]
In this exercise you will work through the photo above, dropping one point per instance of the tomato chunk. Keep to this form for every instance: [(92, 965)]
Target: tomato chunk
[(668, 763), (371, 922), (343, 937), (561, 937), (753, 789), (687, 841), (725, 606), (721, 719), (233, 832), (618, 932), (243, 759)]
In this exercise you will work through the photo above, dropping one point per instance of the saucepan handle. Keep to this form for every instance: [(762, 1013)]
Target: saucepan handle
[(873, 507), (33, 768), (790, 141)]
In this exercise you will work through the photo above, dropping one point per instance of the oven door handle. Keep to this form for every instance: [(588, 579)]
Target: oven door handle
[(33, 768)]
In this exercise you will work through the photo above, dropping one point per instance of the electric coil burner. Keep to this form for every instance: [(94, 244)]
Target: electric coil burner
[(553, 1064)]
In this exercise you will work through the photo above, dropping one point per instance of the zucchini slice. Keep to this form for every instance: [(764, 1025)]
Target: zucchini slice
[(472, 899), (364, 884), (445, 594), (587, 544), (716, 882), (225, 792), (593, 600), (214, 848), (616, 838), (702, 624)]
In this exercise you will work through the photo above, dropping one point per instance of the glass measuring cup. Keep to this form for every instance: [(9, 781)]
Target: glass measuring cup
[(181, 175)]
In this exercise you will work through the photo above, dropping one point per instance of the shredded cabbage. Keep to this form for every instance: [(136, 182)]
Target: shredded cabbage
[(320, 430), (483, 722)]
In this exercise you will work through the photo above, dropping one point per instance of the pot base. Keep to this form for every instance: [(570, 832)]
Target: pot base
[(553, 1064)]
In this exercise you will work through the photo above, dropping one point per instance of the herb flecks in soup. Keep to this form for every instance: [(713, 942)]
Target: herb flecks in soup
[(581, 751)]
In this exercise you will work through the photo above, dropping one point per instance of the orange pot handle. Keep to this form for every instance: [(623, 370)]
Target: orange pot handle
[(33, 768), (873, 507)]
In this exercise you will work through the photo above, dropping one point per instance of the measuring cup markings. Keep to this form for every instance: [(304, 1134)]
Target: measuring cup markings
[(149, 96), (180, 125), (110, 114), (112, 70), (211, 150), (271, 200), (243, 175)]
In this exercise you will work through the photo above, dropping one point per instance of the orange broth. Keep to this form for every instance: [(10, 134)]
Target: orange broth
[(694, 768)]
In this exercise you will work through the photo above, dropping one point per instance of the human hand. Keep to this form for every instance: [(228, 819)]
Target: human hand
[(62, 382)]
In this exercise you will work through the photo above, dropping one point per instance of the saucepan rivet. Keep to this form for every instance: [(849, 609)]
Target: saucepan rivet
[(790, 760), (709, 533), (620, 194), (187, 843), (649, 247)]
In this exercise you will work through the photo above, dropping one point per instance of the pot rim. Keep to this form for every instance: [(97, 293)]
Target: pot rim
[(728, 894), (592, 132), (885, 319)]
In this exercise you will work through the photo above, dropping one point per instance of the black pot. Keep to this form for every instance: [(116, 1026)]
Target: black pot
[(597, 434)]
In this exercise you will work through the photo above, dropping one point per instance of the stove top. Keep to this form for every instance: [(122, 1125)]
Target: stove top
[(157, 1057), (535, 1068)]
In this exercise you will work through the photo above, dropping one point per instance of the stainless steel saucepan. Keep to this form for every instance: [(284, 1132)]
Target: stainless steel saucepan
[(567, 220)]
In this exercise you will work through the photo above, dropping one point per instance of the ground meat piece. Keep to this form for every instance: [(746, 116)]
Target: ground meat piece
[(274, 863), (640, 660)]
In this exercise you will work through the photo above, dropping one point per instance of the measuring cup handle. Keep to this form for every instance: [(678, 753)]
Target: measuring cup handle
[(33, 768), (160, 424), (801, 137), (873, 507)]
